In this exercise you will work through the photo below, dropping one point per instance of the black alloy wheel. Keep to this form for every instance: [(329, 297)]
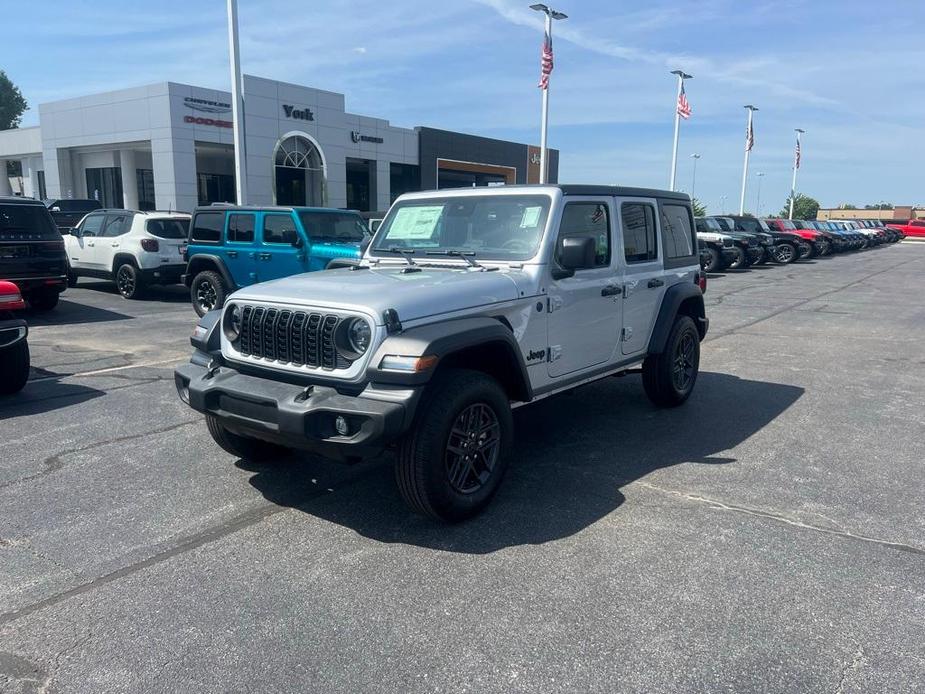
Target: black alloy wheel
[(472, 448), (206, 295), (785, 253), (683, 370), (126, 281)]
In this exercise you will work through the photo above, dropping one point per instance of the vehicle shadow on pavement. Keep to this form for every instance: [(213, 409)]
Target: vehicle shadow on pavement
[(164, 293), (72, 313), (45, 396), (573, 454)]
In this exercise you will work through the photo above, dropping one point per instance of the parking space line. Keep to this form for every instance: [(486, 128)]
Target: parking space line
[(97, 372)]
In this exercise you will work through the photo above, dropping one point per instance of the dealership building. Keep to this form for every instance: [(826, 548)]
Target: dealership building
[(170, 146)]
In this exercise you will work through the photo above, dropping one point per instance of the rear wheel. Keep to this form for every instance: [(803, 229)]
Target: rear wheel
[(14, 368), (244, 447), (208, 292), (43, 299), (669, 377), (452, 460), (785, 253), (129, 282)]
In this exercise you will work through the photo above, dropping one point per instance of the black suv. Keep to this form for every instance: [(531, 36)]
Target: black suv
[(32, 252), (67, 212)]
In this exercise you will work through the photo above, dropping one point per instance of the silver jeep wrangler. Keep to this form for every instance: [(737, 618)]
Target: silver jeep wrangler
[(466, 304)]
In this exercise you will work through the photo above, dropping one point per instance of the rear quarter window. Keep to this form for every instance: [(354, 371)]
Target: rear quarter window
[(207, 227), (677, 234)]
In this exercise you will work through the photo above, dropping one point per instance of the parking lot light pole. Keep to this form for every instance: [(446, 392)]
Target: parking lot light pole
[(695, 157), (551, 14), (722, 204), (796, 167), (677, 126), (759, 175), (749, 143), (237, 106)]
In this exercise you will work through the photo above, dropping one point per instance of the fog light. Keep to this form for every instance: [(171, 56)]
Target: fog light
[(341, 425)]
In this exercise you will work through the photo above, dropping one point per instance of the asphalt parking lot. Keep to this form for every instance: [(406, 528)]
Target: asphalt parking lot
[(767, 536)]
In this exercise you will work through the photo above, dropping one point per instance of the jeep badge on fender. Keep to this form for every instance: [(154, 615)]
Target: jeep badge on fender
[(466, 303)]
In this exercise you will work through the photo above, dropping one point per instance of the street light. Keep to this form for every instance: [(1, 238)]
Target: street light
[(551, 14), (695, 157), (722, 203), (760, 175), (677, 125)]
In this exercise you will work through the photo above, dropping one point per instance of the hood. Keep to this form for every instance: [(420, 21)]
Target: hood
[(414, 294)]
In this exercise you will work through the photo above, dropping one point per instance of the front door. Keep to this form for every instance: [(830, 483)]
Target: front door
[(584, 309), (643, 281), (84, 250), (240, 249), (283, 250)]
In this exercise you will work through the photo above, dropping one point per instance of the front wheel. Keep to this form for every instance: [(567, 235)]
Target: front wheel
[(451, 462), (245, 447), (14, 368), (669, 377), (740, 260), (715, 262), (785, 253), (207, 292)]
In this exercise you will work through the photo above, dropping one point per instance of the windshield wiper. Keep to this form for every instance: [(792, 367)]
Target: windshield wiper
[(465, 255), (405, 253)]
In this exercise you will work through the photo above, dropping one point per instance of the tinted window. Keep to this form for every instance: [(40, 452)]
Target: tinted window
[(749, 225), (240, 228), (588, 220), (207, 226), (332, 226), (116, 225), (639, 242), (76, 205), (724, 224), (93, 225), (168, 228), (278, 228), (26, 223), (676, 231)]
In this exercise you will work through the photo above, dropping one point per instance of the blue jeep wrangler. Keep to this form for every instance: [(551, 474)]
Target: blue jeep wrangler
[(232, 247)]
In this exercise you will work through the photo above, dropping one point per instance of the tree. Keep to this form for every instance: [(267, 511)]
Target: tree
[(700, 210), (12, 103), (804, 207), (881, 206), (844, 206)]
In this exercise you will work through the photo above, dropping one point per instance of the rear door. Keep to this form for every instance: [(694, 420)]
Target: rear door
[(282, 249), (240, 248), (116, 226), (643, 283)]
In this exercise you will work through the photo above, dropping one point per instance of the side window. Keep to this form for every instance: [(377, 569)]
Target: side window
[(279, 228), (639, 242), (93, 225), (676, 232), (207, 227), (589, 220), (117, 224), (240, 228)]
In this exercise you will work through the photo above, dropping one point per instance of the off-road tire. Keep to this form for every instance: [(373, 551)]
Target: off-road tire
[(128, 281), (71, 277), (741, 260), (14, 368), (245, 447), (786, 253), (207, 292), (43, 299), (424, 463), (715, 264), (659, 376)]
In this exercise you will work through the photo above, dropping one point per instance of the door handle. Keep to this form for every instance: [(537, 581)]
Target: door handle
[(115, 245), (655, 283), (232, 254), (612, 290), (264, 256)]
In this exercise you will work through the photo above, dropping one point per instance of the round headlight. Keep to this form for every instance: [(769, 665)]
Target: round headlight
[(232, 322), (359, 335)]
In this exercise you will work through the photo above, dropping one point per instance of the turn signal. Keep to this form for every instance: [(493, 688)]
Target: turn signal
[(396, 362)]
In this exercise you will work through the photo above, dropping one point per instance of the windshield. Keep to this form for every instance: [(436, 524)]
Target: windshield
[(26, 223), (750, 225), (723, 223), (493, 227), (787, 224), (168, 228), (333, 226), (75, 205)]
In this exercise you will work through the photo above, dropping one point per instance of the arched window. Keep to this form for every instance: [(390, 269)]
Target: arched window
[(299, 174)]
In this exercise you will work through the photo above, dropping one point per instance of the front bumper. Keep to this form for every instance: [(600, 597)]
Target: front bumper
[(164, 274), (729, 254), (30, 284), (755, 253), (299, 416)]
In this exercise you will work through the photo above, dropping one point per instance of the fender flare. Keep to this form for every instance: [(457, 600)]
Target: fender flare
[(676, 295), (193, 268), (445, 339)]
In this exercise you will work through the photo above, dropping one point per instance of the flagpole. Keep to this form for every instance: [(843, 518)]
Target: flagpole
[(749, 133), (237, 106), (793, 185), (677, 127), (551, 14)]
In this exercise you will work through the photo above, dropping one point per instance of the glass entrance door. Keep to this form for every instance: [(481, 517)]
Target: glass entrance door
[(105, 185)]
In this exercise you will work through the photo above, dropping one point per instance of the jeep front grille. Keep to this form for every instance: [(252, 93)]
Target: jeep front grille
[(292, 337)]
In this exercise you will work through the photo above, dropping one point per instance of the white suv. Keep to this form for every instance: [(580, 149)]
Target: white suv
[(133, 249)]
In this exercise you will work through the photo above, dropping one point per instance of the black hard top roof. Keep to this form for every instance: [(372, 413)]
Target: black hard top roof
[(16, 199), (621, 191)]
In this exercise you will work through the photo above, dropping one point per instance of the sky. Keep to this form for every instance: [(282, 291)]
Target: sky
[(849, 73)]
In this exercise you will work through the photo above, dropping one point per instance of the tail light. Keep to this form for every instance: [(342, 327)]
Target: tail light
[(701, 281), (150, 245), (10, 298)]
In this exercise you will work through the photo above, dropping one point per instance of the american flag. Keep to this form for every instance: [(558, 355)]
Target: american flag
[(749, 137), (684, 106), (797, 160), (546, 62)]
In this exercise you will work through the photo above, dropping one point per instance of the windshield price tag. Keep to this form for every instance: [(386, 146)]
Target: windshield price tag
[(415, 222), (531, 217)]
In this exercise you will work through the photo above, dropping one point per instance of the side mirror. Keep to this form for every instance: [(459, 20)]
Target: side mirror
[(55, 209), (575, 253), (73, 231), (297, 242)]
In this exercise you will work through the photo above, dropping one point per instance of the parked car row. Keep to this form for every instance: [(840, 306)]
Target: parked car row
[(737, 242)]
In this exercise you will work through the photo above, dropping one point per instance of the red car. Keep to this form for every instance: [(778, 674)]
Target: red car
[(914, 227), (818, 242), (14, 350)]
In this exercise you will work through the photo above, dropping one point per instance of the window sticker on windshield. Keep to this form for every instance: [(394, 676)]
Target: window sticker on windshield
[(415, 222), (531, 217)]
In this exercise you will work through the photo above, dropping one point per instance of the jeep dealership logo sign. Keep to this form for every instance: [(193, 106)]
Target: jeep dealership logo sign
[(206, 105), (357, 137), (298, 113)]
